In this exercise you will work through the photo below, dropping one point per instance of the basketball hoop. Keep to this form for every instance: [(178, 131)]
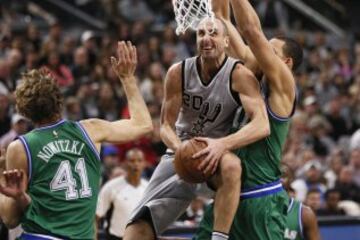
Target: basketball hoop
[(189, 13)]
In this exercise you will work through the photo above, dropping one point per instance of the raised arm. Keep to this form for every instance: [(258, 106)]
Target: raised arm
[(140, 122), (311, 228), (171, 107), (13, 198), (272, 63), (237, 48)]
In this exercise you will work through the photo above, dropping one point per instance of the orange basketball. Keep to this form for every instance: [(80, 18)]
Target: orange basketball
[(187, 167)]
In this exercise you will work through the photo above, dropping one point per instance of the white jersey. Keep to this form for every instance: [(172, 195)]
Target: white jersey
[(208, 109), (124, 197)]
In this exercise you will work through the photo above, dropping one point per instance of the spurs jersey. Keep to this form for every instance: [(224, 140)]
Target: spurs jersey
[(208, 109)]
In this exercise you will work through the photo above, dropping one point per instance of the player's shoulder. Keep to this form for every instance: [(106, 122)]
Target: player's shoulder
[(176, 67), (115, 182), (307, 214), (240, 75), (16, 156), (16, 147), (240, 69)]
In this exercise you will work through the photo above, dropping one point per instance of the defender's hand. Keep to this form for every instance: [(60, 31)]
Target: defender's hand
[(125, 65), (215, 150), (15, 182)]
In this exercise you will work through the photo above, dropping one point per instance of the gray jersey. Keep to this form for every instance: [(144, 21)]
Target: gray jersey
[(207, 109)]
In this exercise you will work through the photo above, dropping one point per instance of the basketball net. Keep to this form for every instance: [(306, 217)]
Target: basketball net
[(189, 13)]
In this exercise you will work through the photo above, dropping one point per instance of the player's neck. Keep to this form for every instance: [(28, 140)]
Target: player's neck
[(48, 122), (133, 179), (209, 67)]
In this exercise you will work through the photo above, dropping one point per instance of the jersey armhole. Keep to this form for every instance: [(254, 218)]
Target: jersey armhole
[(183, 76), (88, 140), (28, 157), (291, 204), (300, 221), (234, 94), (277, 117)]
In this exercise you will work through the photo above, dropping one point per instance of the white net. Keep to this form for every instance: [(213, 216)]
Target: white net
[(189, 13)]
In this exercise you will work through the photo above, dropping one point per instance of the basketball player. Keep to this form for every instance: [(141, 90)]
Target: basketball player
[(301, 221), (53, 172), (202, 95), (264, 202)]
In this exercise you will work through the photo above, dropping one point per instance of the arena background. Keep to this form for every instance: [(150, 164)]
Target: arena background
[(74, 39)]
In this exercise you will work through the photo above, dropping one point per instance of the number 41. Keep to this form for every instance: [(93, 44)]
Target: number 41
[(64, 180)]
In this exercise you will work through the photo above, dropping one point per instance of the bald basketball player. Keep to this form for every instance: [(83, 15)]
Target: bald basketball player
[(261, 214), (202, 95)]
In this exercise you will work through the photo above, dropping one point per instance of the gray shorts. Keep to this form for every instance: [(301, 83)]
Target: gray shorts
[(167, 196)]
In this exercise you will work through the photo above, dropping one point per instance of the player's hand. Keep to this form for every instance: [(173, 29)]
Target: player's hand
[(214, 151), (15, 182), (125, 65)]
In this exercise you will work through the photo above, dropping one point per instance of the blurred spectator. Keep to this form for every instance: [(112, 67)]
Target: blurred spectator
[(335, 166), (355, 164), (135, 10), (337, 122), (81, 66), (355, 140), (61, 72), (15, 59), (108, 103), (331, 208), (19, 126), (312, 180), (110, 158), (73, 109), (313, 199), (319, 138), (123, 193), (5, 120), (88, 41), (346, 185)]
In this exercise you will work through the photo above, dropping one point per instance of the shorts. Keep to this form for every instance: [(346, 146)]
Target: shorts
[(261, 217), (167, 196)]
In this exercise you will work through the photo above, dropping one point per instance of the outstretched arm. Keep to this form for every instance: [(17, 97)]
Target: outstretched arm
[(272, 64), (311, 228), (140, 122), (237, 49), (171, 107)]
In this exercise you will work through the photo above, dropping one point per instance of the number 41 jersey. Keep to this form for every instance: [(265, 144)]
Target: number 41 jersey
[(64, 178), (208, 109)]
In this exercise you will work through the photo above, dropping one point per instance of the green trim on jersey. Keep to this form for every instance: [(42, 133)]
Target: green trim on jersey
[(65, 178), (293, 230)]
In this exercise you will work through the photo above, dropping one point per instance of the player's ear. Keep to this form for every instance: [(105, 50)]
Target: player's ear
[(289, 62), (227, 41)]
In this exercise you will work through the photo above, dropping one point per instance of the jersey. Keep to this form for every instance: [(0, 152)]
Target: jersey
[(261, 160), (124, 197), (64, 179), (207, 109), (293, 230)]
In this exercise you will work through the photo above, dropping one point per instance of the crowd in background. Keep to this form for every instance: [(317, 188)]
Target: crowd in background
[(323, 147)]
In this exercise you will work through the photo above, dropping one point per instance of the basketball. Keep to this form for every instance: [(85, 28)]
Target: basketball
[(186, 166)]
